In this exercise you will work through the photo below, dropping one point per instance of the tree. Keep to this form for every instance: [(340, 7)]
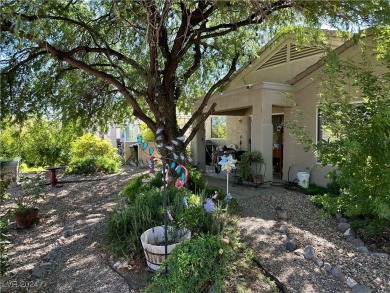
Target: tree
[(89, 58), (358, 142), (360, 133)]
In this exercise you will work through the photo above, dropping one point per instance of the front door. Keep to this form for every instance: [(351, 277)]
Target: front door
[(277, 152)]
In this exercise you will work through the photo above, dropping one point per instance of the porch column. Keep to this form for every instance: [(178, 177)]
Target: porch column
[(198, 148), (262, 134)]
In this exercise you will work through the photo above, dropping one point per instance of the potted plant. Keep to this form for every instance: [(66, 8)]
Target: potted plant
[(245, 165), (31, 189), (153, 244)]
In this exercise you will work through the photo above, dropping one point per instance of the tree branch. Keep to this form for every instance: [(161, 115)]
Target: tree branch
[(209, 93), (255, 18), (108, 51), (21, 63)]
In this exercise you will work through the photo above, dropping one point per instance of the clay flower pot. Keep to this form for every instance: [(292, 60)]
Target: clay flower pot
[(26, 219)]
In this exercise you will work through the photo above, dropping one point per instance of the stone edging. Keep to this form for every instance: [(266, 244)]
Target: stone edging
[(50, 259), (309, 252)]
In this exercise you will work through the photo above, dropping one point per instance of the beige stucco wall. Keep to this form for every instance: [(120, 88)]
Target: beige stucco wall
[(306, 96), (257, 102), (296, 159)]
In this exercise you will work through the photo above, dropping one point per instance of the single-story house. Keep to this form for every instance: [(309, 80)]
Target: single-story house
[(251, 108)]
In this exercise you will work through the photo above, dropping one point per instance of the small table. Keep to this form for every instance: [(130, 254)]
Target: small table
[(53, 177)]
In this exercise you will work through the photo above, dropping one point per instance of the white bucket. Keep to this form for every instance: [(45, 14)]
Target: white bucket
[(303, 179), (151, 242)]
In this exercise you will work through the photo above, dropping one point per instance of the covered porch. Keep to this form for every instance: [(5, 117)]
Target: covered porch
[(249, 115)]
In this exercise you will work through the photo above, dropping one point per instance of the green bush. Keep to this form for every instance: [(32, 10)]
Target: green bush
[(92, 165), (245, 165), (39, 142), (194, 266), (145, 210), (91, 154), (355, 109), (126, 224), (8, 141), (196, 180), (135, 186), (90, 145)]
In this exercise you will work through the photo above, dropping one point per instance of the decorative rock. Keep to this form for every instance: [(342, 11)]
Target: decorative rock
[(327, 267), (283, 237), (349, 238), (357, 242), (351, 282), (290, 245), (336, 272), (318, 261), (299, 252), (349, 232), (52, 255), (283, 228), (281, 214), (343, 227), (342, 220), (360, 289), (67, 233), (363, 249), (380, 254), (308, 252), (40, 271)]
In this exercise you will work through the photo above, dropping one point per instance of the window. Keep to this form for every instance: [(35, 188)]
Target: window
[(357, 113), (218, 127), (322, 134)]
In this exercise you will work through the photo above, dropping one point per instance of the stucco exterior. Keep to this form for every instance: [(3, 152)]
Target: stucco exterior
[(279, 79)]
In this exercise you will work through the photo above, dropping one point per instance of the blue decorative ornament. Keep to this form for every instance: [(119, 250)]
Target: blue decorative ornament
[(151, 150), (139, 139), (228, 198), (144, 145), (173, 164)]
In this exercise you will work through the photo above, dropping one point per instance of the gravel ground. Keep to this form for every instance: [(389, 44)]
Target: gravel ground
[(82, 261), (82, 264), (262, 231)]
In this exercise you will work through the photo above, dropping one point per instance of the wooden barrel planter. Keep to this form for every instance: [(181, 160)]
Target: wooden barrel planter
[(153, 244)]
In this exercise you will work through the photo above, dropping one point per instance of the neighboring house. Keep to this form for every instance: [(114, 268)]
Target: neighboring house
[(125, 137), (254, 104)]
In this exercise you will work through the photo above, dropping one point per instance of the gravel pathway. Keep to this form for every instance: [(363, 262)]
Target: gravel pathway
[(268, 235), (66, 251)]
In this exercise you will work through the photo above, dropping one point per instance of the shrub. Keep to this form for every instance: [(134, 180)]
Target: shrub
[(90, 154), (47, 143), (358, 137), (126, 224), (245, 165), (194, 266), (196, 180), (145, 210), (39, 142)]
